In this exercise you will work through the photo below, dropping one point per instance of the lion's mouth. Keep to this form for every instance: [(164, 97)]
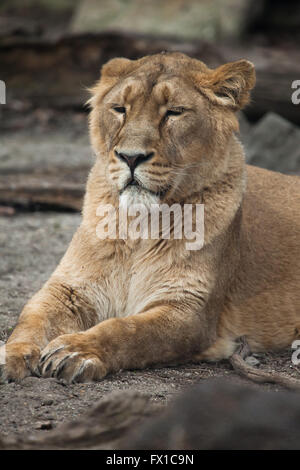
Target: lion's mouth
[(132, 182), (135, 183)]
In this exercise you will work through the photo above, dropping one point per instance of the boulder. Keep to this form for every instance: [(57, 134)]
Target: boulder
[(274, 143)]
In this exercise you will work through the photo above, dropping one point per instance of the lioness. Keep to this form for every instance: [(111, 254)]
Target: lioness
[(163, 130)]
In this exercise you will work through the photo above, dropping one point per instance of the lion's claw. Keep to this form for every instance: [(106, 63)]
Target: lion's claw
[(46, 356), (68, 358)]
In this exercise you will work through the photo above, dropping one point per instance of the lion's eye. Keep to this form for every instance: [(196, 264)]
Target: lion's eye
[(120, 109), (174, 112)]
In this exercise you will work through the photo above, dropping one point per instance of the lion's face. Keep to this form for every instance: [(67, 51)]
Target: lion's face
[(161, 125)]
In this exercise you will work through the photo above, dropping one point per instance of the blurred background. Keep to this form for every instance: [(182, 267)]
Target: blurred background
[(51, 50)]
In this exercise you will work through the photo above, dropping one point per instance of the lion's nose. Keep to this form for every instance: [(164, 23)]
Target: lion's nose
[(133, 158)]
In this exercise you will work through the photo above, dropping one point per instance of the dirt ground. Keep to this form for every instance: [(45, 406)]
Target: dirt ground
[(31, 245)]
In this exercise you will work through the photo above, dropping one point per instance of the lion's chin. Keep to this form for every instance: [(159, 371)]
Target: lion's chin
[(134, 195)]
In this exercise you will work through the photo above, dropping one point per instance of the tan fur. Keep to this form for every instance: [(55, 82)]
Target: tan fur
[(119, 304)]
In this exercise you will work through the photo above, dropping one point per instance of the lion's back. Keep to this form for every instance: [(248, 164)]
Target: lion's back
[(272, 210), (267, 294)]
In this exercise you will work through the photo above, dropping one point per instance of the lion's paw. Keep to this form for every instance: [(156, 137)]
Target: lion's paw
[(67, 357), (20, 361)]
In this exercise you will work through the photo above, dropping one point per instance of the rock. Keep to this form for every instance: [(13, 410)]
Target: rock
[(198, 19), (217, 414), (47, 402), (274, 143), (44, 425)]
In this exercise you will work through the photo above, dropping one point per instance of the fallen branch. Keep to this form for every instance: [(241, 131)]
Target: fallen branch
[(237, 360), (101, 428)]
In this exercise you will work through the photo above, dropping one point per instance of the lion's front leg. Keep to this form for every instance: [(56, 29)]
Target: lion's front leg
[(55, 310), (162, 335)]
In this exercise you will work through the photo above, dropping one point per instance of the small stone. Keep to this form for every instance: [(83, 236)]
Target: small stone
[(47, 402), (44, 425), (252, 361)]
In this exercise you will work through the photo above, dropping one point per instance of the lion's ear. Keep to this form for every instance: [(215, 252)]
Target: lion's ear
[(230, 84), (117, 67), (110, 74)]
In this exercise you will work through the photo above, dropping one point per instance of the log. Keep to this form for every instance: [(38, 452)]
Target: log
[(45, 171), (43, 190), (54, 73), (64, 66)]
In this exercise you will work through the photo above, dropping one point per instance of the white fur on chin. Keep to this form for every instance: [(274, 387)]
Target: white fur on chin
[(133, 195)]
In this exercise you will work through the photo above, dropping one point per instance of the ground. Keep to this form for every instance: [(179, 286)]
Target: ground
[(31, 245)]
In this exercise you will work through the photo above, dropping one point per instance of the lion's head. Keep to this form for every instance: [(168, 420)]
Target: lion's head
[(162, 125)]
